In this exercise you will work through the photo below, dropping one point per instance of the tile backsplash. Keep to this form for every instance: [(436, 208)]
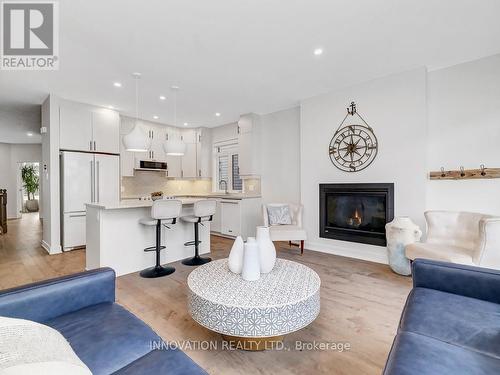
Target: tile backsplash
[(144, 183)]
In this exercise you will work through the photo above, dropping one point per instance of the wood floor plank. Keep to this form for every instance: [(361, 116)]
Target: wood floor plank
[(360, 304)]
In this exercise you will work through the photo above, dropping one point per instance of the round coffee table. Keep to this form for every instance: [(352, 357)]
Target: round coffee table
[(254, 314)]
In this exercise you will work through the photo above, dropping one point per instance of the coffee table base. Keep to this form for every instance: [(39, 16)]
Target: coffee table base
[(253, 343)]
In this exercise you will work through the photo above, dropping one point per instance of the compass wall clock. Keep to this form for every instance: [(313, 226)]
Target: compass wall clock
[(353, 147)]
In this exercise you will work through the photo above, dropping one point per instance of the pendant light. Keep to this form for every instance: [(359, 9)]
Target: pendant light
[(137, 140), (174, 146)]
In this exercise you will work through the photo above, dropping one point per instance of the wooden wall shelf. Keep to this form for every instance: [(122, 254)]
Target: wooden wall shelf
[(465, 174)]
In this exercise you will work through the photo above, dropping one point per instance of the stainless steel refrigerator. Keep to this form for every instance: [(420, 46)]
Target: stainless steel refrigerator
[(85, 178)]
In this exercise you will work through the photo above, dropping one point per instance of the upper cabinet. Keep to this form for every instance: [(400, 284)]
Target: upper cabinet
[(249, 156), (84, 128), (204, 153)]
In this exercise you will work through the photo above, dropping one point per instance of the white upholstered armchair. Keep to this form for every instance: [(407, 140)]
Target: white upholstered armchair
[(288, 232), (460, 237)]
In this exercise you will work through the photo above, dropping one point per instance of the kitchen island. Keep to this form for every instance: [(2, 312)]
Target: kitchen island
[(116, 239)]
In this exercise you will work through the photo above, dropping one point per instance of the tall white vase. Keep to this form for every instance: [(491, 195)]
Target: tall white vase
[(267, 251), (235, 261), (251, 264), (400, 232)]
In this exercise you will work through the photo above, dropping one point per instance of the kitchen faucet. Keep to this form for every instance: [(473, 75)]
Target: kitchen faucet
[(225, 185)]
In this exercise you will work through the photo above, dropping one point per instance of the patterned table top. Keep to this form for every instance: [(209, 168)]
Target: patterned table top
[(288, 283)]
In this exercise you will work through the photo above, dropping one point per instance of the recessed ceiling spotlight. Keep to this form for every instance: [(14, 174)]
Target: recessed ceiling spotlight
[(155, 117), (117, 84), (217, 114), (29, 134), (186, 124), (318, 51), (162, 97), (111, 107)]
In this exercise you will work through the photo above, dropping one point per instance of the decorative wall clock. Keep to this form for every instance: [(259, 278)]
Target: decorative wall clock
[(353, 147)]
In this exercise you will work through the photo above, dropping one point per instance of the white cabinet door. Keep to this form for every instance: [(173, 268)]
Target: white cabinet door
[(230, 217), (106, 132), (188, 135), (204, 153), (75, 128), (215, 226), (189, 161), (127, 161), (174, 167), (245, 154), (76, 177), (107, 178), (74, 232)]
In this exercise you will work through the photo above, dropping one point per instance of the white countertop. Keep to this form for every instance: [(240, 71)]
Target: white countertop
[(203, 195), (131, 203)]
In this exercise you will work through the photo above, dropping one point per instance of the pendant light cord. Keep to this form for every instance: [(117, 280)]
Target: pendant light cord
[(136, 99)]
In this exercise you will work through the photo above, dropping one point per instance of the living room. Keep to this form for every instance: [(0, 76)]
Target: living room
[(261, 199)]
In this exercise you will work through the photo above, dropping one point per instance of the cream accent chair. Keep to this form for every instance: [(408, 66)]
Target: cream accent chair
[(293, 232), (460, 237)]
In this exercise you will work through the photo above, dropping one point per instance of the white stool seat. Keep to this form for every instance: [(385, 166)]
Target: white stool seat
[(147, 221)]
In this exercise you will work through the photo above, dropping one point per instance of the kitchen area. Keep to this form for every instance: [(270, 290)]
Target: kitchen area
[(106, 189)]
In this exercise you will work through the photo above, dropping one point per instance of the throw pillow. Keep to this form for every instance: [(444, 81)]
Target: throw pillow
[(27, 347), (279, 214)]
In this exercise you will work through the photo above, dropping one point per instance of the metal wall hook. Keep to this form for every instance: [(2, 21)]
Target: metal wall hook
[(442, 172), (483, 173), (462, 173)]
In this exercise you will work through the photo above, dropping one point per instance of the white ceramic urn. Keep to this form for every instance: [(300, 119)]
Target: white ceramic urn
[(267, 251), (235, 260), (400, 232), (251, 263)]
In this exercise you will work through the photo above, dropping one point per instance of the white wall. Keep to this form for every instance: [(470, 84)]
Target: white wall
[(464, 129), (10, 157), (395, 107), (51, 240), (280, 180)]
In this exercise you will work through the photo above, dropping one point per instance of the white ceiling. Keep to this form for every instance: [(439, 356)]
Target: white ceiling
[(257, 56)]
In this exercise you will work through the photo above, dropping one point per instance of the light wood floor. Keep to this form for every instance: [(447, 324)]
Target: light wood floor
[(360, 304)]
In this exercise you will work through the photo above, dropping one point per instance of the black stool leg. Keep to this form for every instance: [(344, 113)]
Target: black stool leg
[(158, 270), (196, 260)]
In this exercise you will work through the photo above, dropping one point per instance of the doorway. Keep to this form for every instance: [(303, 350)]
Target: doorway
[(28, 188)]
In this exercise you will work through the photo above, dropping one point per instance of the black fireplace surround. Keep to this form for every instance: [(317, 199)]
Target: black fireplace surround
[(356, 212)]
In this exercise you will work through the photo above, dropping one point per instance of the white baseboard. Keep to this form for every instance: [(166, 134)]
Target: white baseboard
[(49, 249), (377, 254)]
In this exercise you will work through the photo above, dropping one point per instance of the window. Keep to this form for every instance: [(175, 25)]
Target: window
[(226, 159)]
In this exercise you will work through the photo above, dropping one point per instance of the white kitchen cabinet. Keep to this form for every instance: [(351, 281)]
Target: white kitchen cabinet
[(75, 127), (204, 153), (237, 217), (174, 167), (105, 132), (189, 135), (249, 142), (107, 170), (189, 161), (87, 128), (230, 217)]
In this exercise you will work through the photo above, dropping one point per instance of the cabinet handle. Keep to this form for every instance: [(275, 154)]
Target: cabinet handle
[(95, 148), (166, 137), (152, 133), (238, 129), (90, 145), (182, 173), (167, 172), (199, 172)]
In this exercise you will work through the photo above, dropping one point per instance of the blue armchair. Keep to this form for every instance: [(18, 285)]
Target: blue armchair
[(450, 323), (107, 338)]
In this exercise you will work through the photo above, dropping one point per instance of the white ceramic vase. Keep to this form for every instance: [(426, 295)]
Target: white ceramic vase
[(400, 232), (251, 264), (267, 251), (235, 260)]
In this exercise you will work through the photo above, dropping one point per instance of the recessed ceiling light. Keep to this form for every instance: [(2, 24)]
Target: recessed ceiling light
[(29, 134), (162, 97), (155, 117), (217, 114), (318, 51), (117, 84), (186, 124), (111, 107)]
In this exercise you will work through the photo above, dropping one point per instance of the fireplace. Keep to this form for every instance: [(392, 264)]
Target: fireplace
[(356, 212)]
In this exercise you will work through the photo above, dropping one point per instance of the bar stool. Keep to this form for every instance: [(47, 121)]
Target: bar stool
[(204, 210), (163, 212)]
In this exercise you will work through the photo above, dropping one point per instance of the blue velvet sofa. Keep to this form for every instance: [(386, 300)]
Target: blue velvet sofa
[(450, 324), (107, 338)]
